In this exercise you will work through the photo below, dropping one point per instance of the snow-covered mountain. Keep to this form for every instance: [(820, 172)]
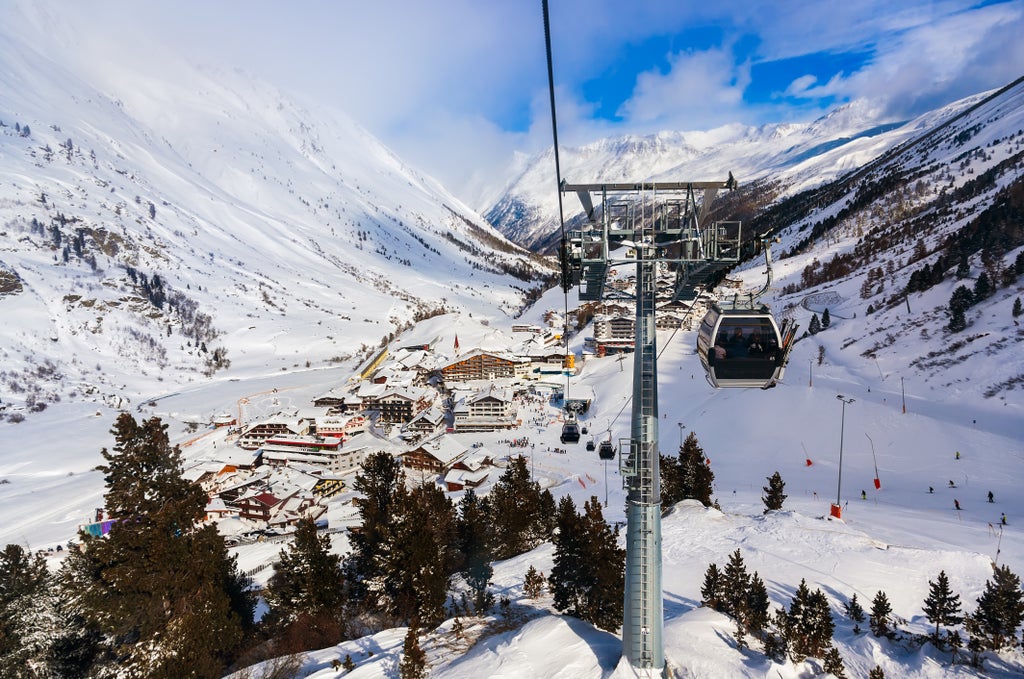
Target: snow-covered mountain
[(797, 155), (153, 224)]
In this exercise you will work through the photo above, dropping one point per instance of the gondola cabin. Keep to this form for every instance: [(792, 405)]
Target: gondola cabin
[(570, 431), (605, 451), (743, 347)]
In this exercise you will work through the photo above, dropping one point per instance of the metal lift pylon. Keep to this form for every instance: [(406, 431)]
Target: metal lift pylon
[(668, 230)]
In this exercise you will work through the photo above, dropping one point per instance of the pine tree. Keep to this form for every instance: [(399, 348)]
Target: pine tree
[(1017, 308), (880, 612), (809, 624), (1001, 608), (697, 477), (773, 496), (855, 611), (826, 319), (414, 660), (162, 590), (533, 583), (758, 605), (977, 643), (420, 556), (515, 510), (474, 539), (306, 594), (711, 591), (671, 481), (735, 586), (566, 579), (876, 673), (814, 327), (941, 607), (587, 575), (963, 269), (982, 287), (957, 320), (380, 483), (607, 566), (834, 663), (24, 628)]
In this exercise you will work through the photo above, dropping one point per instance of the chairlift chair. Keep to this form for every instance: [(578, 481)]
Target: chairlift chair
[(605, 451)]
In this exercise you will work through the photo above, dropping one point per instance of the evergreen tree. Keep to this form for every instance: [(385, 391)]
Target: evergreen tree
[(711, 592), (24, 629), (671, 481), (1001, 608), (856, 613), (587, 575), (607, 563), (773, 496), (533, 584), (814, 327), (697, 477), (566, 579), (977, 642), (162, 590), (735, 586), (474, 538), (963, 269), (834, 663), (515, 509), (826, 319), (381, 487), (957, 320), (414, 660), (758, 605), (420, 557), (880, 612), (962, 299), (876, 673), (941, 607), (306, 594), (871, 309), (982, 287), (808, 624), (1017, 308)]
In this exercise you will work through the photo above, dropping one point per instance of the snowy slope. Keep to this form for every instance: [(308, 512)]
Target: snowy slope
[(280, 235)]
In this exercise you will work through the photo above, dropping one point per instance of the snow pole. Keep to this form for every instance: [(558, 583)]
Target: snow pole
[(878, 483)]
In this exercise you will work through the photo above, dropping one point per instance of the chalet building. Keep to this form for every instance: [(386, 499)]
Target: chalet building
[(436, 455), (317, 450), (486, 410), (294, 509), (614, 333), (470, 471), (427, 423), (399, 405), (255, 435), (224, 420), (341, 426), (257, 506), (339, 401), (479, 365)]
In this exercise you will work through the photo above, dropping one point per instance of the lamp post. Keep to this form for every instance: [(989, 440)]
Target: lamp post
[(842, 426)]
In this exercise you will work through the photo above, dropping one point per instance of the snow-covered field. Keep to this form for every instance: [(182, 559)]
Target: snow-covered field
[(895, 540)]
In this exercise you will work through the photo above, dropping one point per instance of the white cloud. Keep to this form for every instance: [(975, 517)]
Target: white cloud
[(700, 89)]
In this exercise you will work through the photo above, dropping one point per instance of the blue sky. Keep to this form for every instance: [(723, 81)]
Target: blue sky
[(458, 86)]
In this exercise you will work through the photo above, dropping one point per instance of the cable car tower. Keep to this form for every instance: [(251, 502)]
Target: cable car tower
[(657, 227)]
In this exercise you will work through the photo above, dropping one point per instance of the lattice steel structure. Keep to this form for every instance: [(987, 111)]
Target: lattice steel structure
[(660, 226)]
